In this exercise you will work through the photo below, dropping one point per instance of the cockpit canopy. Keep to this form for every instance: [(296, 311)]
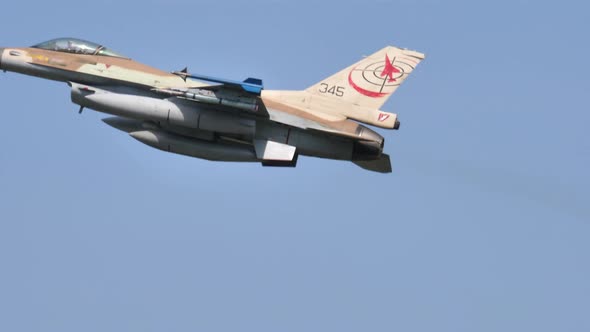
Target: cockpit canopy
[(77, 46)]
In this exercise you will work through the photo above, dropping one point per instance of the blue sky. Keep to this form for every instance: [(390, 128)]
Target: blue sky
[(482, 226)]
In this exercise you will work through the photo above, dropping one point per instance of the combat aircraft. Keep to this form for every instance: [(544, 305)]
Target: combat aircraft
[(226, 120)]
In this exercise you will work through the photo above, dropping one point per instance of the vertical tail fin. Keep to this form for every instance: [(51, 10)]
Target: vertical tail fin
[(371, 81)]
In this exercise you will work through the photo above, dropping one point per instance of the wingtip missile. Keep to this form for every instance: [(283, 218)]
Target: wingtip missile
[(250, 85)]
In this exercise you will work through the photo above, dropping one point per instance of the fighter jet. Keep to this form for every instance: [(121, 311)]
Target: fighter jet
[(226, 120)]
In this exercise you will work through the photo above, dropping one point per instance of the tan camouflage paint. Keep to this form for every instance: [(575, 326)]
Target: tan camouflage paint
[(116, 68), (352, 97)]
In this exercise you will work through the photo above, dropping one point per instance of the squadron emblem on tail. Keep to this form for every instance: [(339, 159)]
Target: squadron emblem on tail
[(380, 78)]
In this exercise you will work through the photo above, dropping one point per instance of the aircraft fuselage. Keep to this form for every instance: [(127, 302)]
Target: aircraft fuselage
[(226, 120)]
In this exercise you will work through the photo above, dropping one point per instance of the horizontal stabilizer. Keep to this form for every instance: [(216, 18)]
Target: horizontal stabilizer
[(381, 165)]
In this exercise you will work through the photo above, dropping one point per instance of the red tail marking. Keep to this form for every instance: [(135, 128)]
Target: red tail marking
[(389, 70), (383, 117)]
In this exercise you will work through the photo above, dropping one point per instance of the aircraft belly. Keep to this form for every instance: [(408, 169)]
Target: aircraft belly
[(141, 105), (321, 146), (189, 142), (205, 145), (216, 151), (307, 142)]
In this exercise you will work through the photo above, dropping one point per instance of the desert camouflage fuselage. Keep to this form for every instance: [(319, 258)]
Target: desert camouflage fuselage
[(225, 120)]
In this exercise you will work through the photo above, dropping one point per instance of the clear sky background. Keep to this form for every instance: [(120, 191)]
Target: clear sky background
[(484, 224)]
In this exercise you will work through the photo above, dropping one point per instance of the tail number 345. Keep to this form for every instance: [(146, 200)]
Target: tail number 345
[(335, 90)]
